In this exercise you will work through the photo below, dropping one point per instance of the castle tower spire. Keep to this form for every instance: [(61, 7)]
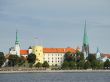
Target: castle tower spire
[(17, 45), (85, 47)]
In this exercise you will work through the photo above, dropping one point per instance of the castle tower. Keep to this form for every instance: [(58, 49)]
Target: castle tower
[(98, 54), (30, 50), (17, 45), (38, 51), (85, 47)]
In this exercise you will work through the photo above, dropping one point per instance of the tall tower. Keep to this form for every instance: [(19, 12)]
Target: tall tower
[(98, 54), (17, 45), (85, 47)]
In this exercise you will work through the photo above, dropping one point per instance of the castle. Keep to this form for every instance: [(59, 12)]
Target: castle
[(54, 56)]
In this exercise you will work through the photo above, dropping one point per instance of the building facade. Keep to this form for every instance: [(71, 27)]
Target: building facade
[(55, 56)]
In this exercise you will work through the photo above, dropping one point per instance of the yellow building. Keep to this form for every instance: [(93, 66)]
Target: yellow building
[(38, 51)]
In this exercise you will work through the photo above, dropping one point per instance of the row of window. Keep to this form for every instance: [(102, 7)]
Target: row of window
[(53, 58), (54, 61), (54, 54)]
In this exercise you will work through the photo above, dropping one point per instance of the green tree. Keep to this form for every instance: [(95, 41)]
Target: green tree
[(99, 64), (80, 65), (72, 65), (2, 58), (107, 64), (45, 64), (13, 60), (31, 58), (95, 64), (92, 57), (21, 61), (69, 57), (65, 65), (87, 65), (79, 56), (38, 65)]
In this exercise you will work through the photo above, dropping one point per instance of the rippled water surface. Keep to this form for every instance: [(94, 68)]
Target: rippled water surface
[(55, 77)]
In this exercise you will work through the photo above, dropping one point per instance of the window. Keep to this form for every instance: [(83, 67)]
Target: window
[(58, 54)]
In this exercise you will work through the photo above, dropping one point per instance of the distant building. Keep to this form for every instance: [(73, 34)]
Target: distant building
[(102, 57), (105, 57), (98, 54)]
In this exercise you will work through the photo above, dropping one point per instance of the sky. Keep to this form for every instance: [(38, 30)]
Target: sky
[(55, 23)]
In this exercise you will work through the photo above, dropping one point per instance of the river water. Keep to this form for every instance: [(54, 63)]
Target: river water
[(55, 77)]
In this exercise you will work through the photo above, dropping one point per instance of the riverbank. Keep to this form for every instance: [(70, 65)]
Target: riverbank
[(53, 71)]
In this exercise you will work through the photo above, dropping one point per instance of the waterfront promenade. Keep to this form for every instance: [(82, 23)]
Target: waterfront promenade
[(43, 70)]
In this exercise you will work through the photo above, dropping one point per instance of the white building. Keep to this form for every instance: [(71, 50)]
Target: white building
[(55, 56)]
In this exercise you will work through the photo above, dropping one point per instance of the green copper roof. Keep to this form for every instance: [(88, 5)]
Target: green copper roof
[(85, 37), (16, 42), (98, 50)]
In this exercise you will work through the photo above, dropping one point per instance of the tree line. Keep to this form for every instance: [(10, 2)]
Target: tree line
[(71, 61), (16, 61), (77, 61)]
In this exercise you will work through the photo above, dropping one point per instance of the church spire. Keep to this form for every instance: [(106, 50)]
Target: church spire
[(85, 37), (85, 47), (98, 50), (16, 42), (17, 45)]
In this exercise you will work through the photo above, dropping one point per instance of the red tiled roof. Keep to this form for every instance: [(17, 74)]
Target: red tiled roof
[(23, 52), (107, 55), (58, 50), (51, 50)]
